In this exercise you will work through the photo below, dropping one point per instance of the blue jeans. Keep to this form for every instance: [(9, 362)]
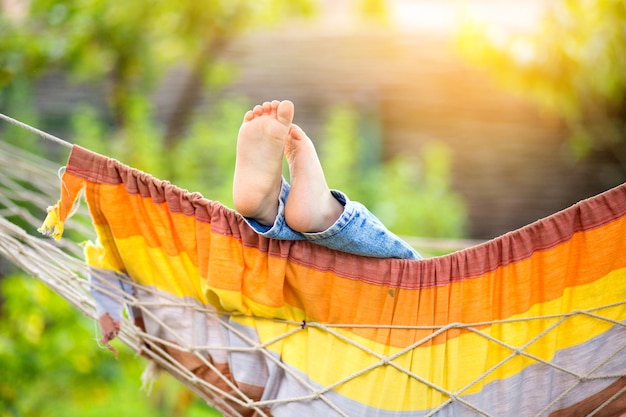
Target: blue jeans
[(357, 231)]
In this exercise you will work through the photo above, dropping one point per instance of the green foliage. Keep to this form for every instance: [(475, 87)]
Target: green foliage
[(128, 44), (18, 96), (410, 196), (129, 40), (421, 202), (207, 154), (52, 366), (90, 131), (573, 66), (140, 142)]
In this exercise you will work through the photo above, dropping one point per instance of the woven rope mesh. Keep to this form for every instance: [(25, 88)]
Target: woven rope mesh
[(28, 184)]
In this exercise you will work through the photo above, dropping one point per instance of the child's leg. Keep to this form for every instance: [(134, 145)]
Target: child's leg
[(359, 232), (328, 218), (258, 168)]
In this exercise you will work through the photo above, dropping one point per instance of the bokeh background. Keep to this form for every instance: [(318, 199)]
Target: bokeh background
[(450, 119)]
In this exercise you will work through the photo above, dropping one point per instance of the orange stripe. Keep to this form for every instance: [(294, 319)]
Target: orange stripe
[(132, 215)]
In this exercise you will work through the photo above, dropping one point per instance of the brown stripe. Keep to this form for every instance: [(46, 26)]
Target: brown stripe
[(610, 402), (102, 170)]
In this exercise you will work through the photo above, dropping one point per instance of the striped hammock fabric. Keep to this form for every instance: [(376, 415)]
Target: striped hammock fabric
[(528, 324)]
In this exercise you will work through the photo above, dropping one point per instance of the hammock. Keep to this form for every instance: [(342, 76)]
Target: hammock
[(528, 324)]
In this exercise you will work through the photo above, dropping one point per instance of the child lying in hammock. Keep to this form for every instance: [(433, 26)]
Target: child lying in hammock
[(307, 209)]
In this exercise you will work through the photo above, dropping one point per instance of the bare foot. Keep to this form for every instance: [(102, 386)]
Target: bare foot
[(258, 169), (310, 207)]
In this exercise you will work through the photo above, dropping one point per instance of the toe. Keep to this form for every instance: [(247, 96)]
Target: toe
[(284, 112), (248, 116)]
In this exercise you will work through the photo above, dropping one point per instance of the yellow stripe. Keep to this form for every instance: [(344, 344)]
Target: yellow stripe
[(179, 276), (153, 267)]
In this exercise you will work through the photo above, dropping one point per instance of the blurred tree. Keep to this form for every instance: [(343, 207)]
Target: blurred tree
[(575, 66), (129, 44)]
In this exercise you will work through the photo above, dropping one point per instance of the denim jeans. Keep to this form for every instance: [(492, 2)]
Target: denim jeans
[(357, 231)]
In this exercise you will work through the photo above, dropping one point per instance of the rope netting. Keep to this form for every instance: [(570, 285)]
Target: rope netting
[(28, 184)]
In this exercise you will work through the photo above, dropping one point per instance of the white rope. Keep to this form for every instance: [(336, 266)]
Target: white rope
[(41, 133)]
